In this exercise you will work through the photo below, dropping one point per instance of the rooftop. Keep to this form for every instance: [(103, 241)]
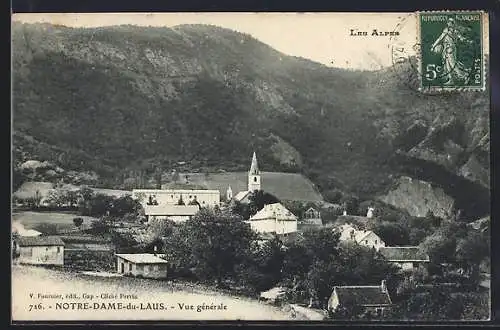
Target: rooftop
[(275, 210), (142, 258), (167, 210), (40, 241), (241, 195), (361, 234), (404, 253), (177, 191), (362, 295)]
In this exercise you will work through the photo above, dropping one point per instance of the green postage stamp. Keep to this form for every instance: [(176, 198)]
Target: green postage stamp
[(451, 50)]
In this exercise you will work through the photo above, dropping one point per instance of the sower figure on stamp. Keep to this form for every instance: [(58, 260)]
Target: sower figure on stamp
[(447, 45)]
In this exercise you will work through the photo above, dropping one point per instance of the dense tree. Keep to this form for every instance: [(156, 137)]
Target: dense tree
[(316, 263), (332, 195), (296, 207), (125, 205), (241, 209), (85, 195), (123, 242), (392, 233), (78, 222), (439, 247), (99, 227), (263, 268), (330, 215), (218, 241), (441, 304), (159, 228), (62, 197), (471, 251), (442, 244), (100, 205)]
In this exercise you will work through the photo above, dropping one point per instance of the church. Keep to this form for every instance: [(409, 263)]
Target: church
[(254, 183)]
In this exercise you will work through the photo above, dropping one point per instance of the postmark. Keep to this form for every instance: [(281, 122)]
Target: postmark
[(404, 53), (451, 51)]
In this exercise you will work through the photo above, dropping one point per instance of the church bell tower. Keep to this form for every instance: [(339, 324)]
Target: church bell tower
[(254, 175)]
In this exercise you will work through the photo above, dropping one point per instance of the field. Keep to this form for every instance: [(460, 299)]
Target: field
[(285, 186), (63, 220), (27, 280), (29, 189)]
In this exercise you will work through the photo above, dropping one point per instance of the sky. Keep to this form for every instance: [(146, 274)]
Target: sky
[(321, 37)]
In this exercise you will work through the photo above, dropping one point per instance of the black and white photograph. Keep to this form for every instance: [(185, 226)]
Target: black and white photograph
[(250, 167)]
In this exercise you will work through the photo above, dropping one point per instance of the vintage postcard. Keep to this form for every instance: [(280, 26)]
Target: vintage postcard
[(251, 166)]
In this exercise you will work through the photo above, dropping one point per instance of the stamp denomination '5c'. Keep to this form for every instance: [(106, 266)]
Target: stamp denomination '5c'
[(451, 56)]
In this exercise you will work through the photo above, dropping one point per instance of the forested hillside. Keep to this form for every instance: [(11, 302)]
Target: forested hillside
[(125, 100)]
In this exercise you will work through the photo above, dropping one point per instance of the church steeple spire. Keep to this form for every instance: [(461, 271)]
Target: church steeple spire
[(254, 168), (254, 175)]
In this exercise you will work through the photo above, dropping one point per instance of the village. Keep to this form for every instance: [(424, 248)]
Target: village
[(376, 279)]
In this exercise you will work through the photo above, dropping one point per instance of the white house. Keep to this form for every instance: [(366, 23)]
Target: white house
[(176, 213), (362, 237), (346, 231), (40, 250), (369, 239), (373, 298), (274, 218), (141, 264), (406, 257)]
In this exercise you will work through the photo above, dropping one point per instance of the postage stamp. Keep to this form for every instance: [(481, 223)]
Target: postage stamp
[(451, 50)]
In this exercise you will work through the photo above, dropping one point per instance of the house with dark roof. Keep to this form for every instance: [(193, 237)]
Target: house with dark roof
[(40, 250), (368, 298), (145, 265), (406, 257)]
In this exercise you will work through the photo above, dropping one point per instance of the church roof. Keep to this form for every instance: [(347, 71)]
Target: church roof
[(254, 168), (241, 195)]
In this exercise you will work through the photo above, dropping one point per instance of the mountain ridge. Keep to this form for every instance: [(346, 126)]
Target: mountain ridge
[(139, 98)]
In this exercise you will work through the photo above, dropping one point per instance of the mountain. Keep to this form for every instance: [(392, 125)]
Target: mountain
[(124, 101)]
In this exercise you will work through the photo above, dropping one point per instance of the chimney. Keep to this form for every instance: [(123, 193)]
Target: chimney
[(383, 286)]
